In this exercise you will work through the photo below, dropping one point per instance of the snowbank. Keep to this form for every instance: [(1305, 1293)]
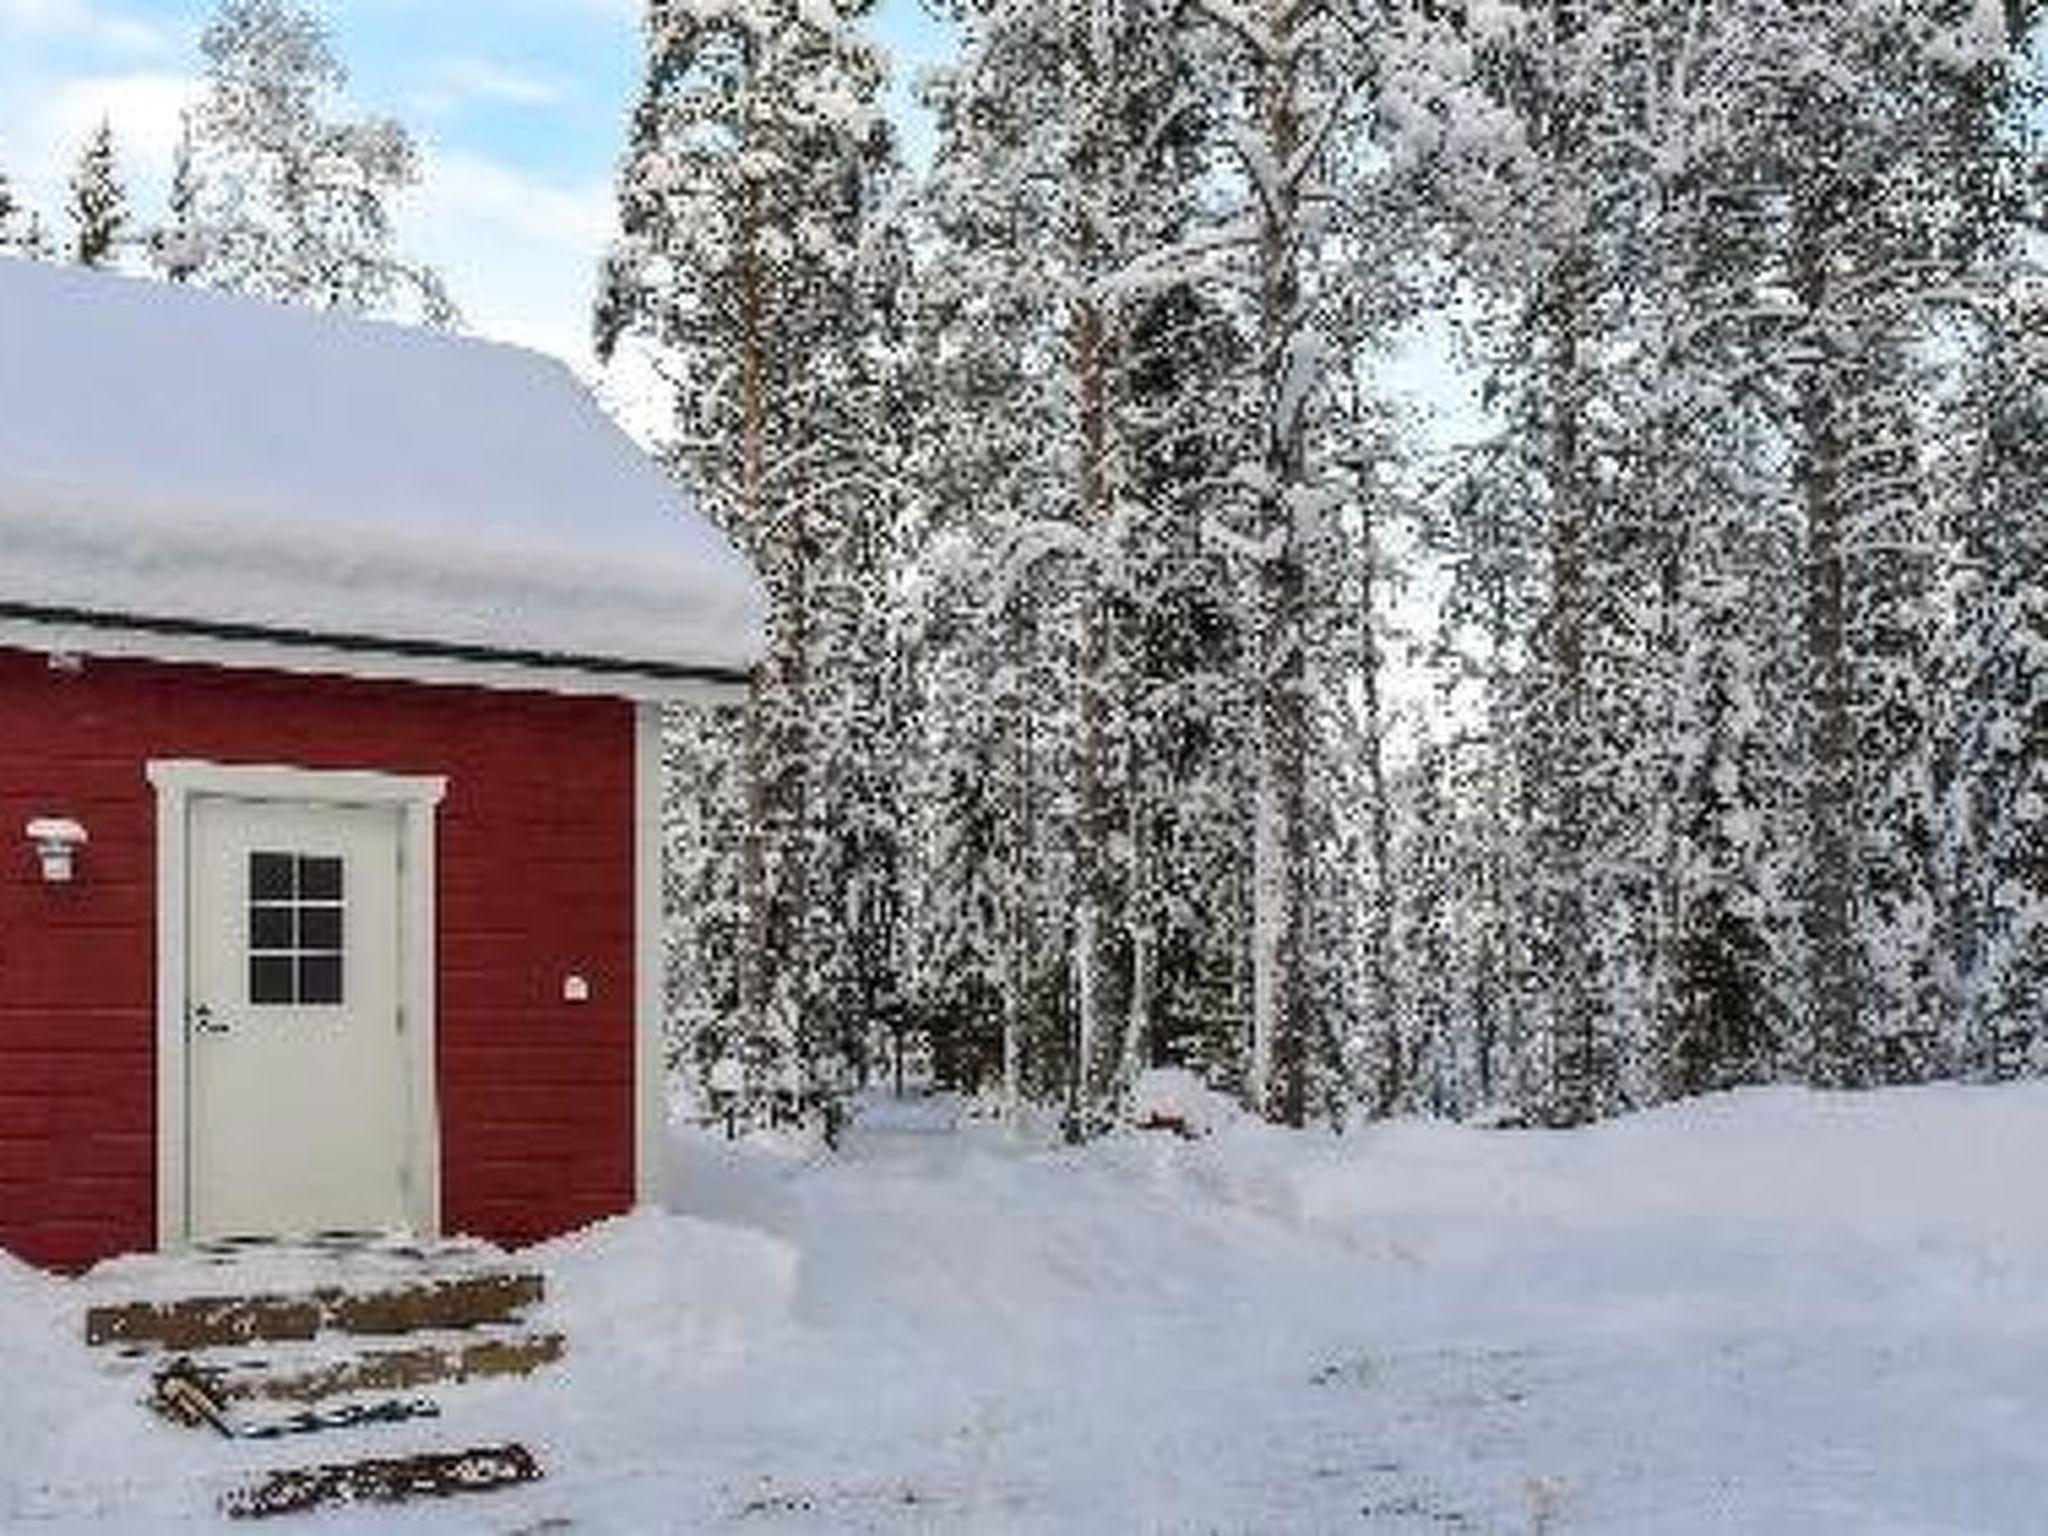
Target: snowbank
[(1913, 1190), (666, 1286), (1767, 1311)]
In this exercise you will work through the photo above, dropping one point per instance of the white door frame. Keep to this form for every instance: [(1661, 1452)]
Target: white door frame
[(416, 799)]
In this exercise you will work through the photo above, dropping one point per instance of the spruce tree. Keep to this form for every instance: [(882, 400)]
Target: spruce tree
[(99, 204), (11, 213)]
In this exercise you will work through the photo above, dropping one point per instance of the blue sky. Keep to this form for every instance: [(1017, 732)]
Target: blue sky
[(519, 107)]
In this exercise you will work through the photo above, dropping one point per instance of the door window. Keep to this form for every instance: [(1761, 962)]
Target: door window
[(296, 918)]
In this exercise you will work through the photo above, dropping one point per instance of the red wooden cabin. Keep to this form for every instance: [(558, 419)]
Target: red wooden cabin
[(331, 663)]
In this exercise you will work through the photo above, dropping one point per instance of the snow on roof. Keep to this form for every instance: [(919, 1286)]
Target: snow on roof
[(185, 457)]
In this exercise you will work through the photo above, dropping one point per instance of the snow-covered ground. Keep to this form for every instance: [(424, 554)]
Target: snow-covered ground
[(1768, 1312)]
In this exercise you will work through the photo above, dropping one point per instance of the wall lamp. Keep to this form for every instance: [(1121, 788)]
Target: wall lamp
[(57, 840)]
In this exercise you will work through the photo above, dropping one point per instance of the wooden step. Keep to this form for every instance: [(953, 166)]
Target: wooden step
[(388, 1370), (209, 1322)]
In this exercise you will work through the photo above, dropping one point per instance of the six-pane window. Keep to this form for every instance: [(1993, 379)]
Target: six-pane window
[(295, 928)]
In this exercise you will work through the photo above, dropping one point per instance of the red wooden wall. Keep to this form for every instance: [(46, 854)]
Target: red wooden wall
[(535, 881)]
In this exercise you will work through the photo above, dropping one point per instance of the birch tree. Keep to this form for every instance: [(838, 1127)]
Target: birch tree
[(296, 203)]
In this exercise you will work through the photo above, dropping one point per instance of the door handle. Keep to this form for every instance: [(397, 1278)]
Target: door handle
[(203, 1021)]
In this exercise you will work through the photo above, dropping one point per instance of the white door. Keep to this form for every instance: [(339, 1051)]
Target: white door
[(297, 1116)]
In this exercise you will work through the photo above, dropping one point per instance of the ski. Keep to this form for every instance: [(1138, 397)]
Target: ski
[(185, 1393)]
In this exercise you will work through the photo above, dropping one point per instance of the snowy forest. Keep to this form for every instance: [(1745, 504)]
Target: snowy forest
[(1151, 682)]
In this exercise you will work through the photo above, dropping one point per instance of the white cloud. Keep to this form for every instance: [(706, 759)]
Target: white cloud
[(461, 82), (519, 250), (143, 107), (520, 253), (475, 189), (83, 21)]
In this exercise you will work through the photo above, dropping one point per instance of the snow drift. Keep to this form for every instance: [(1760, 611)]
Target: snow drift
[(1767, 1311)]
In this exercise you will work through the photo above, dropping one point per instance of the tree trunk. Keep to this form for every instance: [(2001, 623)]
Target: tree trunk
[(1571, 1010), (1571, 1014), (1096, 921), (1017, 967), (1279, 996), (1379, 895), (1098, 917), (789, 957), (1829, 850), (754, 964)]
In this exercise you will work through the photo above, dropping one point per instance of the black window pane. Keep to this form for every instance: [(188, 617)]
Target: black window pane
[(270, 876), (270, 928), (319, 879), (320, 978), (320, 928), (270, 979)]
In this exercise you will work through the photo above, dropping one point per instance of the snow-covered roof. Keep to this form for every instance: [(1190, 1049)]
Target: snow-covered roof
[(202, 463)]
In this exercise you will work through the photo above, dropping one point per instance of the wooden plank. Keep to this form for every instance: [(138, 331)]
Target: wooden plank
[(385, 1480), (206, 1322), (468, 1302), (395, 1370), (201, 1322)]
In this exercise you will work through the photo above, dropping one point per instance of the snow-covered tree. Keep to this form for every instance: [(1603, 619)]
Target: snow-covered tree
[(1711, 255), (1079, 403), (1074, 750), (293, 201), (99, 203), (179, 245), (747, 197), (21, 227)]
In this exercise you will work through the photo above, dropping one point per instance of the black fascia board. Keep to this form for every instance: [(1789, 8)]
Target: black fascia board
[(422, 650)]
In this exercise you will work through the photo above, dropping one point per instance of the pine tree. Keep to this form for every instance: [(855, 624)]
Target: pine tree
[(21, 227), (99, 204), (1871, 158), (1996, 784), (987, 902), (1751, 893), (1296, 78), (1074, 753), (1064, 209), (1536, 195), (12, 214), (746, 198)]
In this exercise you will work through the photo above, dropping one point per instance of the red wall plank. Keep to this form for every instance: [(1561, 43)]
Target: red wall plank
[(535, 866)]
